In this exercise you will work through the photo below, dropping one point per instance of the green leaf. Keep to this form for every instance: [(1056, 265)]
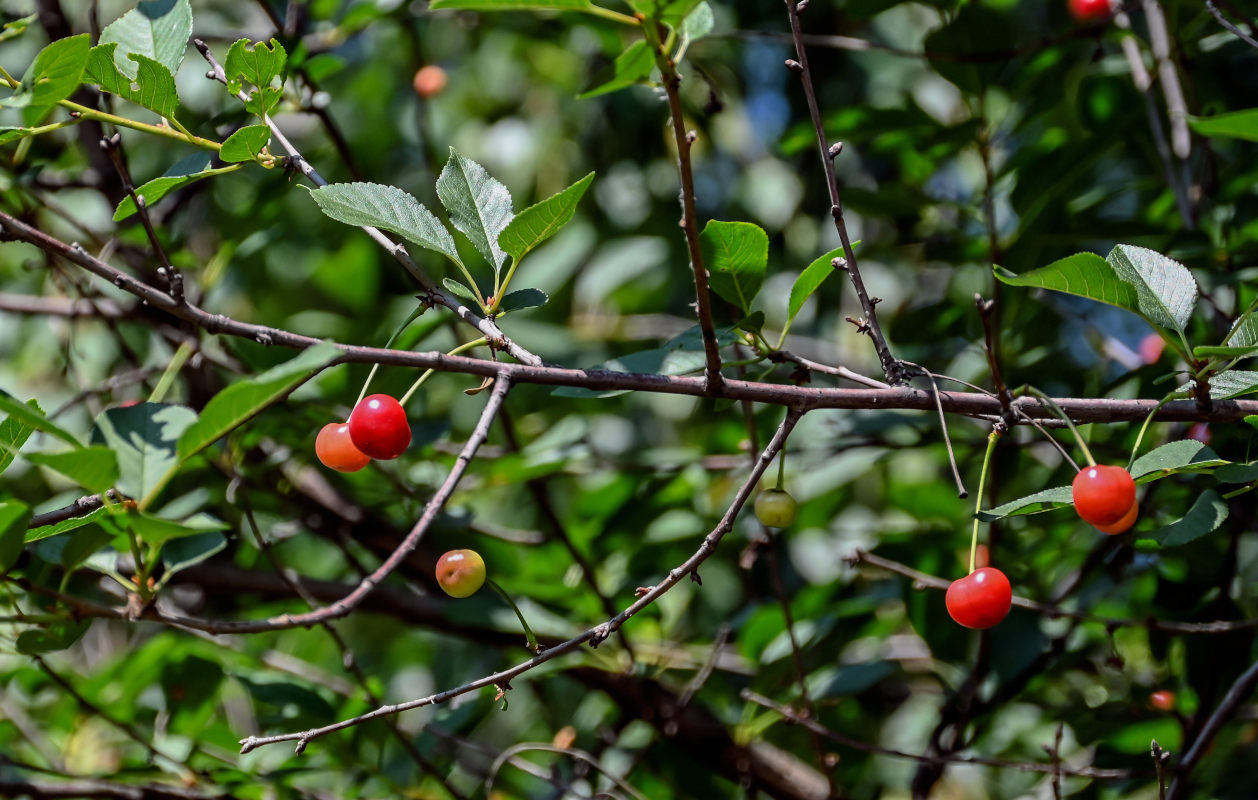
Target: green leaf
[(241, 401), (54, 637), (54, 74), (14, 517), (258, 63), (143, 437), (149, 84), (245, 144), (9, 133), (697, 24), (1229, 384), (1044, 500), (186, 171), (539, 222), (71, 524), (1237, 473), (1166, 290), (1083, 274), (1234, 124), (522, 299), (17, 27), (736, 254), (94, 468), (1241, 341), (158, 29), (1206, 515), (190, 551), (668, 12), (1186, 455), (810, 280), (156, 531), (14, 432), (388, 208), (510, 5), (752, 323), (631, 67), (32, 416), (479, 206), (459, 290)]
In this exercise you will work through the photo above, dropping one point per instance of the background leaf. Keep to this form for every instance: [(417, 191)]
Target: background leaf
[(157, 29), (94, 468), (245, 144), (387, 208), (14, 517), (522, 299), (143, 438), (539, 222)]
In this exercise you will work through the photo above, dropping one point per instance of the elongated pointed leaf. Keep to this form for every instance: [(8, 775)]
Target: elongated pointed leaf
[(143, 437), (1241, 341), (539, 222), (188, 170), (54, 74), (245, 144), (239, 402), (459, 290), (156, 531), (1044, 500), (1234, 124), (511, 5), (631, 67), (479, 206), (736, 254), (1083, 274), (149, 84), (1186, 455), (14, 517), (1206, 515), (190, 551), (14, 432), (34, 417), (388, 208), (522, 299), (1229, 384), (158, 29), (56, 636), (810, 280), (1166, 290), (67, 525), (94, 468)]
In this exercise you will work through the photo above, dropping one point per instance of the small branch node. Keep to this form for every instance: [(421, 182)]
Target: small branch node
[(642, 591), (835, 150), (839, 263), (794, 66)]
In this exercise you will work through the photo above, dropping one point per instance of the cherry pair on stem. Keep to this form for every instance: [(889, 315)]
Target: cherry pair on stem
[(377, 428)]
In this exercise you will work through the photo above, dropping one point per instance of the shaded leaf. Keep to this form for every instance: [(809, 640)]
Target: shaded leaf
[(479, 206), (94, 468), (631, 67), (157, 29), (186, 171), (14, 432), (1207, 513), (156, 531), (1241, 341), (236, 404), (67, 525), (736, 254), (14, 517), (810, 280), (245, 144), (1186, 455), (522, 299), (190, 551), (680, 355), (144, 437), (1237, 473), (459, 290), (539, 222), (1229, 384), (32, 416), (1044, 500), (1166, 290), (54, 637), (1233, 124), (388, 208)]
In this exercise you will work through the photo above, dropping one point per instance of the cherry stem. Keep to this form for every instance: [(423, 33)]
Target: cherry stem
[(978, 502), (414, 316), (428, 373), (1048, 401), (528, 632), (1140, 437), (781, 468)]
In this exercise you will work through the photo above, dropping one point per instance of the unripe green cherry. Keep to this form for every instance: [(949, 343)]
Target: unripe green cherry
[(775, 508), (461, 572)]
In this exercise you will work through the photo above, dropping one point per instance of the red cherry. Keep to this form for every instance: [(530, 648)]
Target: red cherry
[(378, 427), (337, 451), (980, 599), (1085, 10), (461, 572), (1162, 700), (1200, 432), (1124, 524), (1103, 495)]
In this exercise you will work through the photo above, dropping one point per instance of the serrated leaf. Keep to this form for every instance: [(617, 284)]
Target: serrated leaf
[(14, 517), (631, 67), (188, 170), (479, 206), (1207, 513), (14, 432), (56, 636), (158, 29), (510, 5), (263, 101), (258, 63), (539, 222), (736, 254), (30, 414), (1166, 290), (143, 437), (149, 84), (522, 299), (1044, 500), (67, 525), (245, 144), (1234, 124), (239, 402), (54, 74), (1241, 341), (459, 290), (94, 468), (810, 280), (1186, 455), (388, 208), (155, 531), (1083, 274), (1229, 384)]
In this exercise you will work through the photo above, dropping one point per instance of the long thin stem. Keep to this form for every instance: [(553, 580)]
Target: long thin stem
[(506, 598), (978, 503), (1048, 401)]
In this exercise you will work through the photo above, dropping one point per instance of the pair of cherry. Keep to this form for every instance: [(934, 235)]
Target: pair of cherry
[(377, 428), (1104, 497)]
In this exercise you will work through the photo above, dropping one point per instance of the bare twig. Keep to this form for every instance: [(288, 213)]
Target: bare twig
[(90, 787), (1222, 713), (508, 756), (1231, 26)]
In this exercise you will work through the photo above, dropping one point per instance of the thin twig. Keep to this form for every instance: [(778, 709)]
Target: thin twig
[(508, 756), (1231, 26), (1223, 711)]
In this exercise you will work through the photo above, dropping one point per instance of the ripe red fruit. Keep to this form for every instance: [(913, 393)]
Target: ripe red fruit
[(775, 508), (1162, 700), (980, 599), (336, 450), (1124, 524), (378, 427), (1201, 432), (1103, 495), (461, 572), (429, 81), (1085, 10)]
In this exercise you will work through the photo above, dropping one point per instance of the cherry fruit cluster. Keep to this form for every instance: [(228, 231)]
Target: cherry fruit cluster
[(377, 428)]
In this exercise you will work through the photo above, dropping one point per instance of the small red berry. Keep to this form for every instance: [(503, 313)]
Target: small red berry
[(1124, 524), (1103, 495), (429, 81), (980, 599), (1085, 10), (378, 427), (1201, 432), (461, 572), (1162, 700), (336, 450)]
